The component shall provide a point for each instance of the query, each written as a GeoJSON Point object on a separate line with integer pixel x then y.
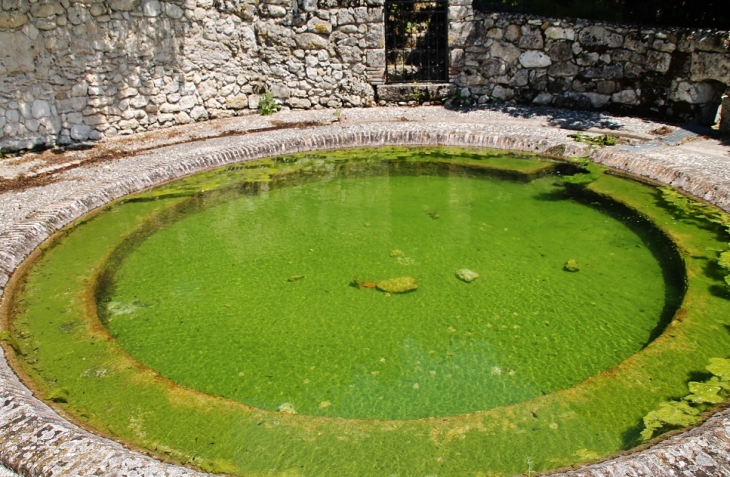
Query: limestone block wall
{"type": "Point", "coordinates": [78, 70]}
{"type": "Point", "coordinates": [677, 74]}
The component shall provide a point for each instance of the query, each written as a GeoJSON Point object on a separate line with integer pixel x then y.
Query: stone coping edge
{"type": "Point", "coordinates": [36, 442]}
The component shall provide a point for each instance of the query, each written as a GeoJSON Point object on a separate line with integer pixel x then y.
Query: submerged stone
{"type": "Point", "coordinates": [571, 266]}
{"type": "Point", "coordinates": [398, 285]}
{"type": "Point", "coordinates": [466, 275]}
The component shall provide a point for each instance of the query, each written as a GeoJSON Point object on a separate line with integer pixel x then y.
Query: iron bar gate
{"type": "Point", "coordinates": [416, 41]}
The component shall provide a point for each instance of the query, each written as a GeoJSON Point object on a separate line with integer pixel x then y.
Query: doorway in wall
{"type": "Point", "coordinates": [416, 41]}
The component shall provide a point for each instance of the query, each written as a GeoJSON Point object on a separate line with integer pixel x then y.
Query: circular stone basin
{"type": "Point", "coordinates": [244, 330]}
{"type": "Point", "coordinates": [256, 299]}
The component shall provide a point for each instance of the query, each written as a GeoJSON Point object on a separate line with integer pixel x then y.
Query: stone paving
{"type": "Point", "coordinates": [35, 441]}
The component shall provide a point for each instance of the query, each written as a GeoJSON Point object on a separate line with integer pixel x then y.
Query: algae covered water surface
{"type": "Point", "coordinates": [253, 300]}
{"type": "Point", "coordinates": [248, 337]}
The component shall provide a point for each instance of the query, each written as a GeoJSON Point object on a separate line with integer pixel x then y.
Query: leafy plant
{"type": "Point", "coordinates": [267, 105]}
{"type": "Point", "coordinates": [600, 141]}
{"type": "Point", "coordinates": [528, 461]}
{"type": "Point", "coordinates": [417, 95]}
{"type": "Point", "coordinates": [702, 396]}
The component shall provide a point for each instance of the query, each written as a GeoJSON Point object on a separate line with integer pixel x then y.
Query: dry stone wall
{"type": "Point", "coordinates": [76, 70]}
{"type": "Point", "coordinates": [79, 70]}
{"type": "Point", "coordinates": [677, 74]}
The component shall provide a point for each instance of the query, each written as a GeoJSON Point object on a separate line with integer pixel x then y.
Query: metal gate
{"type": "Point", "coordinates": [416, 41]}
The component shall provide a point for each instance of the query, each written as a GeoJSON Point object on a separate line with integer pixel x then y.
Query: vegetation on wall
{"type": "Point", "coordinates": [696, 14]}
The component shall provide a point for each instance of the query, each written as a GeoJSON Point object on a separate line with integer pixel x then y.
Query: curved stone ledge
{"type": "Point", "coordinates": [35, 441]}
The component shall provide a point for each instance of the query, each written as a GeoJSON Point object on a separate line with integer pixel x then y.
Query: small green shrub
{"type": "Point", "coordinates": [417, 95]}
{"type": "Point", "coordinates": [267, 105]}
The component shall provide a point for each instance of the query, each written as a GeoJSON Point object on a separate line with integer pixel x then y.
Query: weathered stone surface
{"type": "Point", "coordinates": [534, 59]}
{"type": "Point", "coordinates": [501, 93]}
{"type": "Point", "coordinates": [557, 33]}
{"type": "Point", "coordinates": [18, 52]}
{"type": "Point", "coordinates": [605, 72]}
{"type": "Point", "coordinates": [658, 61]}
{"type": "Point", "coordinates": [11, 20]}
{"type": "Point", "coordinates": [567, 68]}
{"type": "Point", "coordinates": [598, 36]}
{"type": "Point", "coordinates": [694, 93]}
{"type": "Point", "coordinates": [710, 66]}
{"type": "Point", "coordinates": [531, 39]}
{"type": "Point", "coordinates": [237, 102]}
{"type": "Point", "coordinates": [46, 9]}
{"type": "Point", "coordinates": [121, 5]}
{"type": "Point", "coordinates": [627, 96]}
{"type": "Point", "coordinates": [173, 11]}
{"type": "Point", "coordinates": [80, 132]}
{"type": "Point", "coordinates": [310, 41]}
{"type": "Point", "coordinates": [41, 109]}
{"type": "Point", "coordinates": [506, 51]}
{"type": "Point", "coordinates": [276, 11]}
{"type": "Point", "coordinates": [151, 8]}
{"type": "Point", "coordinates": [561, 51]}
{"type": "Point", "coordinates": [597, 100]}
{"type": "Point", "coordinates": [493, 67]}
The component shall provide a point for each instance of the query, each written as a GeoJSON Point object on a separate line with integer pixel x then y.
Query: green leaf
{"type": "Point", "coordinates": [704, 393]}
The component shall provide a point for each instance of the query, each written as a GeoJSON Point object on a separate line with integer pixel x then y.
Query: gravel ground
{"type": "Point", "coordinates": [43, 192]}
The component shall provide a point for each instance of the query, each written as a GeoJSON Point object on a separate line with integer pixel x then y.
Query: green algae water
{"type": "Point", "coordinates": [207, 301]}
{"type": "Point", "coordinates": [228, 321]}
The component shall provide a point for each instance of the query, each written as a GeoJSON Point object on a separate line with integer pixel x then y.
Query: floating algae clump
{"type": "Point", "coordinates": [670, 415]}
{"type": "Point", "coordinates": [571, 266]}
{"type": "Point", "coordinates": [466, 275]}
{"type": "Point", "coordinates": [398, 285]}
